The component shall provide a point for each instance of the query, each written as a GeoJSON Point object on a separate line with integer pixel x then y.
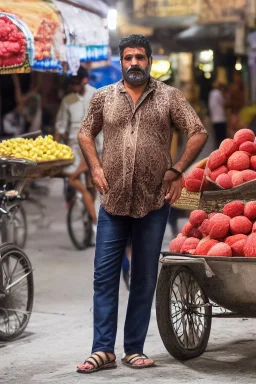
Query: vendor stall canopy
{"type": "Point", "coordinates": [42, 35]}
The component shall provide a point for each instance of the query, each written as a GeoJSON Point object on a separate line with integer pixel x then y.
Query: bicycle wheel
{"type": "Point", "coordinates": [20, 227]}
{"type": "Point", "coordinates": [79, 224]}
{"type": "Point", "coordinates": [16, 291]}
{"type": "Point", "coordinates": [15, 230]}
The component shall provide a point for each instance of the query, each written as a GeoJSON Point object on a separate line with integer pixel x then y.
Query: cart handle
{"type": "Point", "coordinates": [187, 260]}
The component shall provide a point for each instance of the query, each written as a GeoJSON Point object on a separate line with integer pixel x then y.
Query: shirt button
{"type": "Point", "coordinates": [132, 132]}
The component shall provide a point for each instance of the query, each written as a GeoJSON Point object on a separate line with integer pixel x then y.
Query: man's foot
{"type": "Point", "coordinates": [138, 360]}
{"type": "Point", "coordinates": [97, 360]}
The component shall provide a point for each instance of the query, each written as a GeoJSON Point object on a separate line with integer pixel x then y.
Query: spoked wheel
{"type": "Point", "coordinates": [79, 224]}
{"type": "Point", "coordinates": [16, 292]}
{"type": "Point", "coordinates": [183, 314]}
{"type": "Point", "coordinates": [14, 229]}
{"type": "Point", "coordinates": [20, 227]}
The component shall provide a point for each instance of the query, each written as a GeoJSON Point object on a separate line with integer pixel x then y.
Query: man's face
{"type": "Point", "coordinates": [78, 88]}
{"type": "Point", "coordinates": [135, 66]}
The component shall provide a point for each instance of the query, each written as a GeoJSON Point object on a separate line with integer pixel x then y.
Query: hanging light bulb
{"type": "Point", "coordinates": [238, 65]}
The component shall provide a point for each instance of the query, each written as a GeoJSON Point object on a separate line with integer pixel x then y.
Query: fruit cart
{"type": "Point", "coordinates": [210, 268]}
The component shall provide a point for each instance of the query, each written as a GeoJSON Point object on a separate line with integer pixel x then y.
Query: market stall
{"type": "Point", "coordinates": [44, 35]}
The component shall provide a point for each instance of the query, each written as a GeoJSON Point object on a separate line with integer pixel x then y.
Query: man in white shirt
{"type": "Point", "coordinates": [218, 113]}
{"type": "Point", "coordinates": [73, 108]}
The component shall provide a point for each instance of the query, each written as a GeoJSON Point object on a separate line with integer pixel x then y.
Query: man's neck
{"type": "Point", "coordinates": [135, 89]}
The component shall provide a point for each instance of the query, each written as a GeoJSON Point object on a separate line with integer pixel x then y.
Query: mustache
{"type": "Point", "coordinates": [136, 68]}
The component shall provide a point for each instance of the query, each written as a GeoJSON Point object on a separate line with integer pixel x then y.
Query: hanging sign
{"type": "Point", "coordinates": [167, 8]}
{"type": "Point", "coordinates": [212, 11]}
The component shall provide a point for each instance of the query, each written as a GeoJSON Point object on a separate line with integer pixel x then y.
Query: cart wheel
{"type": "Point", "coordinates": [16, 291]}
{"type": "Point", "coordinates": [184, 322]}
{"type": "Point", "coordinates": [79, 224]}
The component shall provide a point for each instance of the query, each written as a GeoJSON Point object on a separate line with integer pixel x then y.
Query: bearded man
{"type": "Point", "coordinates": [138, 183]}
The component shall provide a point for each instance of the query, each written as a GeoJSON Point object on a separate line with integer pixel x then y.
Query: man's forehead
{"type": "Point", "coordinates": [134, 50]}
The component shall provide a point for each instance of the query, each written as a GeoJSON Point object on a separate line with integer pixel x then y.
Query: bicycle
{"type": "Point", "coordinates": [79, 223]}
{"type": "Point", "coordinates": [16, 274]}
{"type": "Point", "coordinates": [15, 218]}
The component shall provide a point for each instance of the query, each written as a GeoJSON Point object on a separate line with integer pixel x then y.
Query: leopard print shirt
{"type": "Point", "coordinates": [137, 141]}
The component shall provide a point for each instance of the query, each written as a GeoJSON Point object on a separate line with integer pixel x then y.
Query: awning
{"type": "Point", "coordinates": [205, 36]}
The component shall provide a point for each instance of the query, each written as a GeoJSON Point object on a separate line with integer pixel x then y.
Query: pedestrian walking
{"type": "Point", "coordinates": [72, 110]}
{"type": "Point", "coordinates": [217, 105]}
{"type": "Point", "coordinates": [137, 181]}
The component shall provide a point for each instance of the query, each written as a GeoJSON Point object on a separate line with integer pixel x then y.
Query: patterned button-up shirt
{"type": "Point", "coordinates": [137, 141]}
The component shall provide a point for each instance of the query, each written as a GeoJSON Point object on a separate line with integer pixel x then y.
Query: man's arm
{"type": "Point", "coordinates": [90, 128]}
{"type": "Point", "coordinates": [193, 147]}
{"type": "Point", "coordinates": [186, 120]}
{"type": "Point", "coordinates": [174, 185]}
{"type": "Point", "coordinates": [88, 149]}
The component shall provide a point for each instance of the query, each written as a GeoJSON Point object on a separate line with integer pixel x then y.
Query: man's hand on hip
{"type": "Point", "coordinates": [99, 180]}
{"type": "Point", "coordinates": [172, 186]}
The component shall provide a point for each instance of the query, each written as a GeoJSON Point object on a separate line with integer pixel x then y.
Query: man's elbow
{"type": "Point", "coordinates": [83, 139]}
{"type": "Point", "coordinates": [202, 137]}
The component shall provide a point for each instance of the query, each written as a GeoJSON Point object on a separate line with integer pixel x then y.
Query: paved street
{"type": "Point", "coordinates": [59, 334]}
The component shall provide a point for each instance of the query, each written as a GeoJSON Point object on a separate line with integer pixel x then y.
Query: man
{"type": "Point", "coordinates": [137, 183]}
{"type": "Point", "coordinates": [72, 110]}
{"type": "Point", "coordinates": [218, 113]}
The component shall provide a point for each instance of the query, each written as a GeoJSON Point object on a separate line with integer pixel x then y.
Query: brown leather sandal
{"type": "Point", "coordinates": [138, 356]}
{"type": "Point", "coordinates": [97, 365]}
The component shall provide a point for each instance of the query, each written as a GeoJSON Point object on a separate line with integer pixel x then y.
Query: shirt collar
{"type": "Point", "coordinates": [152, 84]}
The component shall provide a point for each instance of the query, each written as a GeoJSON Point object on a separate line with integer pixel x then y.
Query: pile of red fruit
{"type": "Point", "coordinates": [230, 233]}
{"type": "Point", "coordinates": [43, 39]}
{"type": "Point", "coordinates": [12, 44]}
{"type": "Point", "coordinates": [233, 164]}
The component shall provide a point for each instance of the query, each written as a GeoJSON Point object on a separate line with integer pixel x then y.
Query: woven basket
{"type": "Point", "coordinates": [188, 200]}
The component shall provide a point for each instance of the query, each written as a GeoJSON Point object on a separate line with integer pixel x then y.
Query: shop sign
{"type": "Point", "coordinates": [212, 11]}
{"type": "Point", "coordinates": [164, 8]}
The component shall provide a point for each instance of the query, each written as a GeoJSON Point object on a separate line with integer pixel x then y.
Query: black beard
{"type": "Point", "coordinates": [135, 75]}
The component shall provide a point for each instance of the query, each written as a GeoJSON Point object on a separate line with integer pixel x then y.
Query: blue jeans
{"type": "Point", "coordinates": [112, 235]}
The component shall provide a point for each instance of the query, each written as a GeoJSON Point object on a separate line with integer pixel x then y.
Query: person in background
{"type": "Point", "coordinates": [26, 117]}
{"type": "Point", "coordinates": [138, 181]}
{"type": "Point", "coordinates": [72, 110]}
{"type": "Point", "coordinates": [217, 112]}
{"type": "Point", "coordinates": [236, 103]}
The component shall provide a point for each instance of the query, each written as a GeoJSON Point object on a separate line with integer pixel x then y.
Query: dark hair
{"type": "Point", "coordinates": [75, 80]}
{"type": "Point", "coordinates": [82, 73]}
{"type": "Point", "coordinates": [135, 41]}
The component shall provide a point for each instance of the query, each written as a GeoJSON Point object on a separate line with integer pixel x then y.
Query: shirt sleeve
{"type": "Point", "coordinates": [93, 120]}
{"type": "Point", "coordinates": [62, 119]}
{"type": "Point", "coordinates": [183, 116]}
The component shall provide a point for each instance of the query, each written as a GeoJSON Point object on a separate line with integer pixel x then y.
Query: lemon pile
{"type": "Point", "coordinates": [39, 149]}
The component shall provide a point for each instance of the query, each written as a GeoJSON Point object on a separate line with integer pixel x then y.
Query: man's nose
{"type": "Point", "coordinates": [134, 61]}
